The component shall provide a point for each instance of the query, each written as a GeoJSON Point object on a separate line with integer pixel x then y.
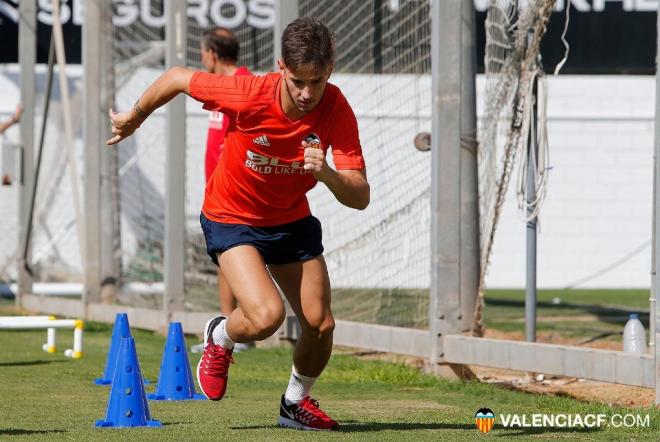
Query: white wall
{"type": "Point", "coordinates": [596, 222]}
{"type": "Point", "coordinates": [598, 209]}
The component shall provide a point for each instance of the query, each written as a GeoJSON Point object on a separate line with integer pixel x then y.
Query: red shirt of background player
{"type": "Point", "coordinates": [260, 178]}
{"type": "Point", "coordinates": [215, 139]}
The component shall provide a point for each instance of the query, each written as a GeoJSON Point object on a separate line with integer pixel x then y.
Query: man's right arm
{"type": "Point", "coordinates": [173, 82]}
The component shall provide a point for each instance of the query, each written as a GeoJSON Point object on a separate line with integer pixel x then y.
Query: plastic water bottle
{"type": "Point", "coordinates": [634, 337]}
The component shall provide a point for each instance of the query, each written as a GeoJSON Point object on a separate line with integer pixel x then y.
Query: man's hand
{"type": "Point", "coordinates": [17, 114]}
{"type": "Point", "coordinates": [123, 125]}
{"type": "Point", "coordinates": [315, 161]}
{"type": "Point", "coordinates": [174, 81]}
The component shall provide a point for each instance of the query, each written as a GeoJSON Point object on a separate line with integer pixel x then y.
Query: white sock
{"type": "Point", "coordinates": [220, 336]}
{"type": "Point", "coordinates": [299, 386]}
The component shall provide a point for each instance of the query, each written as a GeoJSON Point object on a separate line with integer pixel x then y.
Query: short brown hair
{"type": "Point", "coordinates": [223, 42]}
{"type": "Point", "coordinates": [307, 40]}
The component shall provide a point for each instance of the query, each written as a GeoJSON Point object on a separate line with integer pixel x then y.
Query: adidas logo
{"type": "Point", "coordinates": [262, 140]}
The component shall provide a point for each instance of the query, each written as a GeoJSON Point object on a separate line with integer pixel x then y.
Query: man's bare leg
{"type": "Point", "coordinates": [260, 310]}
{"type": "Point", "coordinates": [227, 305]}
{"type": "Point", "coordinates": [259, 314]}
{"type": "Point", "coordinates": [227, 298]}
{"type": "Point", "coordinates": [307, 288]}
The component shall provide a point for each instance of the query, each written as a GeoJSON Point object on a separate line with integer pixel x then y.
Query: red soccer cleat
{"type": "Point", "coordinates": [213, 367]}
{"type": "Point", "coordinates": [305, 416]}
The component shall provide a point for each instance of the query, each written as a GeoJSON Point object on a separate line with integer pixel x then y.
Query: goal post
{"type": "Point", "coordinates": [92, 137]}
{"type": "Point", "coordinates": [454, 208]}
{"type": "Point", "coordinates": [27, 50]}
{"type": "Point", "coordinates": [655, 312]}
{"type": "Point", "coordinates": [175, 165]}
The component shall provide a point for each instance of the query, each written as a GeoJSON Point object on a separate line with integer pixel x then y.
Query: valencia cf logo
{"type": "Point", "coordinates": [485, 419]}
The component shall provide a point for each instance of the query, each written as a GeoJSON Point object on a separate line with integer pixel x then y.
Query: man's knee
{"type": "Point", "coordinates": [267, 319]}
{"type": "Point", "coordinates": [320, 327]}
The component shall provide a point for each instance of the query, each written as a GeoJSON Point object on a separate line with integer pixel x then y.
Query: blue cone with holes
{"type": "Point", "coordinates": [120, 330]}
{"type": "Point", "coordinates": [175, 382]}
{"type": "Point", "coordinates": [127, 406]}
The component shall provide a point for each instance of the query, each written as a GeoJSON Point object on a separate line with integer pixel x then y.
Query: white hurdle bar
{"type": "Point", "coordinates": [26, 318]}
{"type": "Point", "coordinates": [50, 324]}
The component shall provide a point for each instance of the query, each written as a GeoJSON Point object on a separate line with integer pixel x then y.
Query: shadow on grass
{"type": "Point", "coordinates": [28, 363]}
{"type": "Point", "coordinates": [363, 427]}
{"type": "Point", "coordinates": [19, 431]}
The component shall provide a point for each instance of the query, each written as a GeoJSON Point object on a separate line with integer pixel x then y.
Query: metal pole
{"type": "Point", "coordinates": [94, 120]}
{"type": "Point", "coordinates": [656, 217]}
{"type": "Point", "coordinates": [530, 283]}
{"type": "Point", "coordinates": [469, 218]}
{"type": "Point", "coordinates": [286, 11]}
{"type": "Point", "coordinates": [110, 259]}
{"type": "Point", "coordinates": [58, 37]}
{"type": "Point", "coordinates": [175, 165]}
{"type": "Point", "coordinates": [27, 55]}
{"type": "Point", "coordinates": [27, 244]}
{"type": "Point", "coordinates": [654, 282]}
{"type": "Point", "coordinates": [444, 304]}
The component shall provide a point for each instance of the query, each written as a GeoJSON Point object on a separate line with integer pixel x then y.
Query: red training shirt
{"type": "Point", "coordinates": [260, 180]}
{"type": "Point", "coordinates": [215, 138]}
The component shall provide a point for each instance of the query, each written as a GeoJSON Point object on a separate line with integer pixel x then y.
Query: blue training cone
{"type": "Point", "coordinates": [120, 330]}
{"type": "Point", "coordinates": [175, 382]}
{"type": "Point", "coordinates": [127, 406]}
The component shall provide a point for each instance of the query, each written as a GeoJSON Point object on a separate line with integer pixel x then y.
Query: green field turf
{"type": "Point", "coordinates": [49, 397]}
{"type": "Point", "coordinates": [583, 314]}
{"type": "Point", "coordinates": [569, 313]}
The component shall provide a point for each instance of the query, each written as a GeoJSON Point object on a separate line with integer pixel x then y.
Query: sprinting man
{"type": "Point", "coordinates": [256, 217]}
{"type": "Point", "coordinates": [220, 48]}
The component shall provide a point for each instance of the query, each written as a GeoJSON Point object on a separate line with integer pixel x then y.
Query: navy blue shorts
{"type": "Point", "coordinates": [293, 242]}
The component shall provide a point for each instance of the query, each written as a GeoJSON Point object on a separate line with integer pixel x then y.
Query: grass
{"type": "Point", "coordinates": [49, 397]}
{"type": "Point", "coordinates": [569, 313]}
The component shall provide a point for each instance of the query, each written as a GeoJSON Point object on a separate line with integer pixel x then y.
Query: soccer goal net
{"type": "Point", "coordinates": [378, 259]}
{"type": "Point", "coordinates": [512, 69]}
{"type": "Point", "coordinates": [139, 55]}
